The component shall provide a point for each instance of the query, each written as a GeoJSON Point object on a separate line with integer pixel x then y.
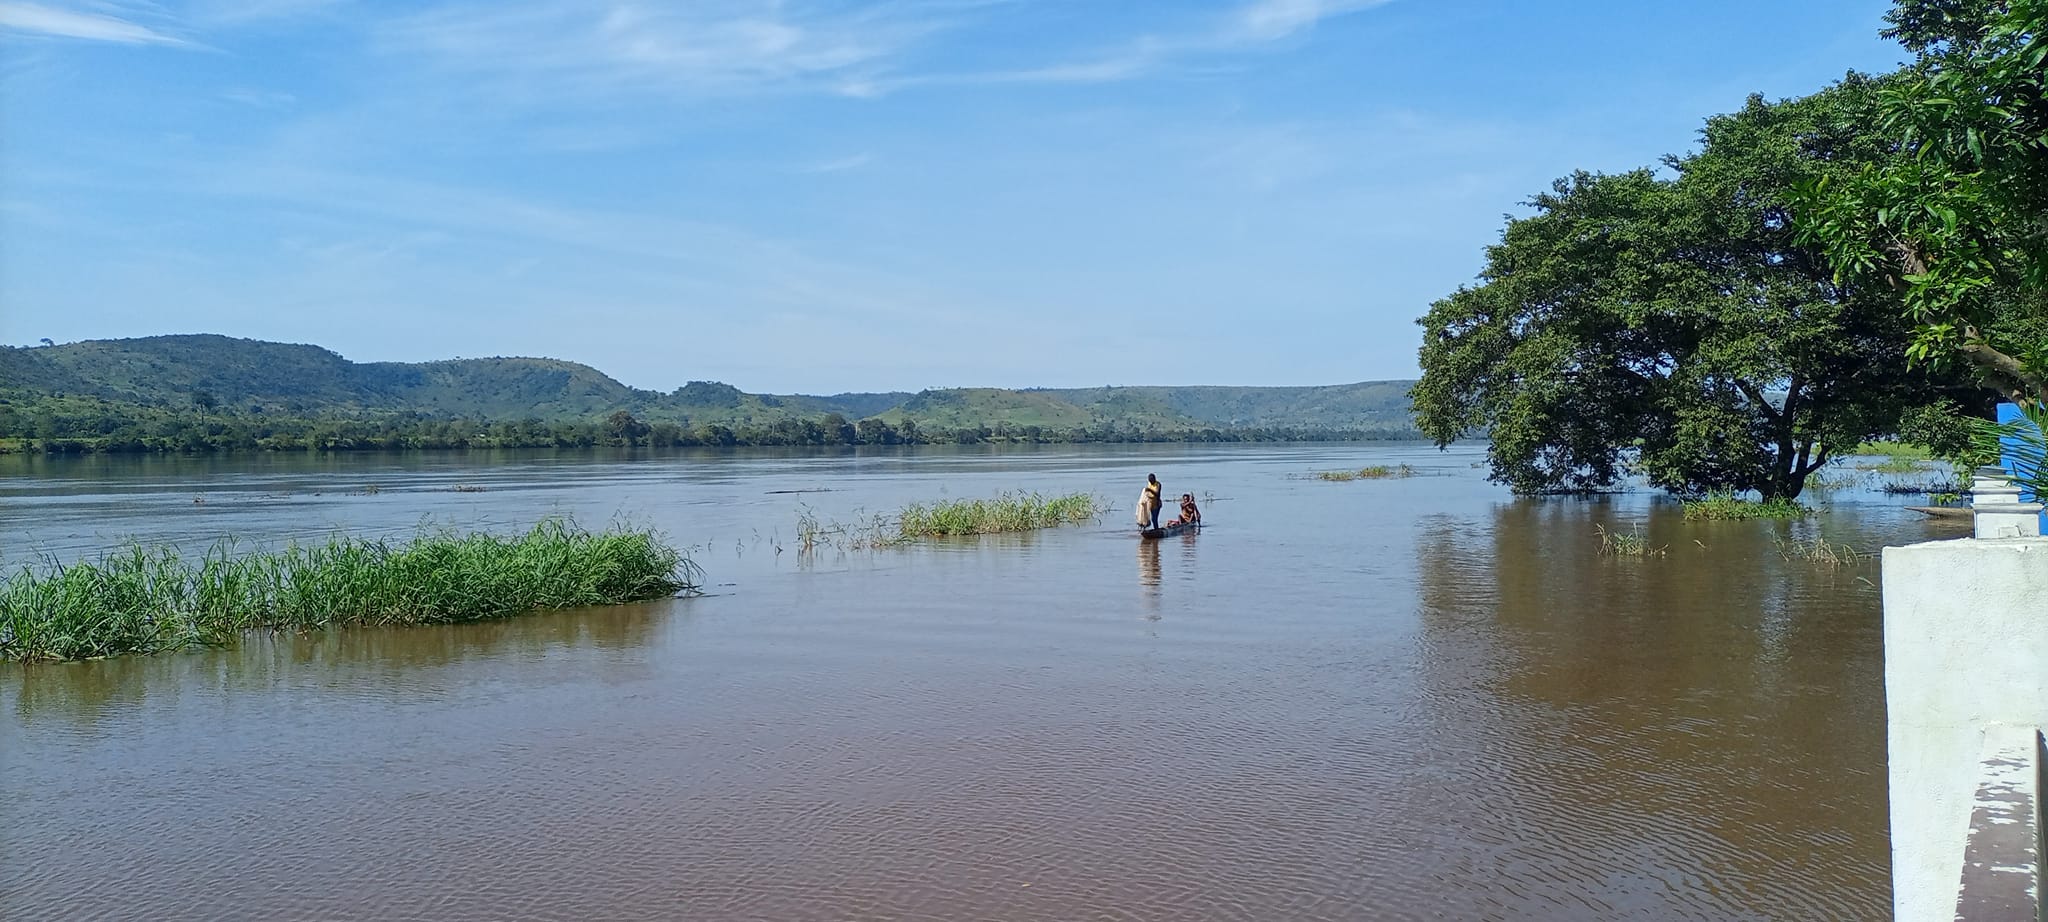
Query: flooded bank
{"type": "Point", "coordinates": [1417, 698]}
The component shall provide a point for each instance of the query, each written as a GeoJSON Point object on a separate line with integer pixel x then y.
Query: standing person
{"type": "Point", "coordinates": [1153, 502]}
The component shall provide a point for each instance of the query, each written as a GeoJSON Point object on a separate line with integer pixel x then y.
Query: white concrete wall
{"type": "Point", "coordinates": [1966, 648]}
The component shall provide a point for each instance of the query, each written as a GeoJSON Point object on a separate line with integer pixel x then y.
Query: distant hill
{"type": "Point", "coordinates": [1371, 404]}
{"type": "Point", "coordinates": [174, 373]}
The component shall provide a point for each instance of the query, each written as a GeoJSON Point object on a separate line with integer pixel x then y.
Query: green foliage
{"type": "Point", "coordinates": [1956, 217]}
{"type": "Point", "coordinates": [1008, 512]}
{"type": "Point", "coordinates": [150, 600]}
{"type": "Point", "coordinates": [1375, 472]}
{"type": "Point", "coordinates": [2019, 446]}
{"type": "Point", "coordinates": [1894, 465]}
{"type": "Point", "coordinates": [1369, 405]}
{"type": "Point", "coordinates": [1716, 506]}
{"type": "Point", "coordinates": [213, 393]}
{"type": "Point", "coordinates": [1674, 326]}
{"type": "Point", "coordinates": [1888, 448]}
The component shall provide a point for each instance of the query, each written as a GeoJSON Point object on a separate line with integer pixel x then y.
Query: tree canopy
{"type": "Point", "coordinates": [1676, 322]}
{"type": "Point", "coordinates": [1955, 220]}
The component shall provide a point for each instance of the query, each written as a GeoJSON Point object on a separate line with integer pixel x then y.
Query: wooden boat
{"type": "Point", "coordinates": [1168, 531]}
{"type": "Point", "coordinates": [1943, 512]}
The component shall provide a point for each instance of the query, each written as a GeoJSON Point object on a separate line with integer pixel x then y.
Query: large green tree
{"type": "Point", "coordinates": [1956, 221]}
{"type": "Point", "coordinates": [1673, 322]}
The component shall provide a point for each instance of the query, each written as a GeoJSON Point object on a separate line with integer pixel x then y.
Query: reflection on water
{"type": "Point", "coordinates": [1670, 712]}
{"type": "Point", "coordinates": [1149, 578]}
{"type": "Point", "coordinates": [1412, 699]}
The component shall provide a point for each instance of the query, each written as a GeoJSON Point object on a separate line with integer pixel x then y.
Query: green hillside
{"type": "Point", "coordinates": [1366, 405]}
{"type": "Point", "coordinates": [114, 390]}
{"type": "Point", "coordinates": [956, 408]}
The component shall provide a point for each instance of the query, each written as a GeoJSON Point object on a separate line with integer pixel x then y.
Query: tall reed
{"type": "Point", "coordinates": [1008, 512]}
{"type": "Point", "coordinates": [149, 600]}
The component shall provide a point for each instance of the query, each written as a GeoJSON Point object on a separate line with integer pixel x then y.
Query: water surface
{"type": "Point", "coordinates": [1396, 699]}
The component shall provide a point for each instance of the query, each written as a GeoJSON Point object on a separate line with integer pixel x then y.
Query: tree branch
{"type": "Point", "coordinates": [1750, 390]}
{"type": "Point", "coordinates": [2011, 370]}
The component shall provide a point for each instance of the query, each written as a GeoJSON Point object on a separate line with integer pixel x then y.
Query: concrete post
{"type": "Point", "coordinates": [1966, 653]}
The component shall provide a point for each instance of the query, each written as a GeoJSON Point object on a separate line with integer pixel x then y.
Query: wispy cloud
{"type": "Point", "coordinates": [1272, 20]}
{"type": "Point", "coordinates": [247, 12]}
{"type": "Point", "coordinates": [37, 19]}
{"type": "Point", "coordinates": [1240, 29]}
{"type": "Point", "coordinates": [540, 50]}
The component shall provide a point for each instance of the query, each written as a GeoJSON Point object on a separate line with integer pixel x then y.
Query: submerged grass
{"type": "Point", "coordinates": [1908, 488]}
{"type": "Point", "coordinates": [1008, 512]}
{"type": "Point", "coordinates": [1888, 449]}
{"type": "Point", "coordinates": [1818, 550]}
{"type": "Point", "coordinates": [1375, 472]}
{"type": "Point", "coordinates": [152, 600]}
{"type": "Point", "coordinates": [1897, 464]}
{"type": "Point", "coordinates": [1730, 506]}
{"type": "Point", "coordinates": [1630, 544]}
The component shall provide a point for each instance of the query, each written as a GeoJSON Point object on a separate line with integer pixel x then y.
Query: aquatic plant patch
{"type": "Point", "coordinates": [1375, 472]}
{"type": "Point", "coordinates": [152, 600]}
{"type": "Point", "coordinates": [1632, 543]}
{"type": "Point", "coordinates": [1009, 512]}
{"type": "Point", "coordinates": [1730, 506]}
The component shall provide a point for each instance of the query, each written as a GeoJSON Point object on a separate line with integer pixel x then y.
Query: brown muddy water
{"type": "Point", "coordinates": [1399, 699]}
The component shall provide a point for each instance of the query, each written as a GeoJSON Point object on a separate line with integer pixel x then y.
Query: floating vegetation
{"type": "Point", "coordinates": [467, 488]}
{"type": "Point", "coordinates": [1894, 465]}
{"type": "Point", "coordinates": [1892, 450]}
{"type": "Point", "coordinates": [1631, 544]}
{"type": "Point", "coordinates": [153, 600]}
{"type": "Point", "coordinates": [1729, 506]}
{"type": "Point", "coordinates": [1009, 512]}
{"type": "Point", "coordinates": [1831, 478]}
{"type": "Point", "coordinates": [1376, 472]}
{"type": "Point", "coordinates": [1907, 488]}
{"type": "Point", "coordinates": [1818, 550]}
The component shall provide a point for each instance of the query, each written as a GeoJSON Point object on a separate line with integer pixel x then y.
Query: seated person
{"type": "Point", "coordinates": [1189, 515]}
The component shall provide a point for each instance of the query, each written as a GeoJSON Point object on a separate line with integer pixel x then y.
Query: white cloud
{"type": "Point", "coordinates": [38, 19]}
{"type": "Point", "coordinates": [1272, 20]}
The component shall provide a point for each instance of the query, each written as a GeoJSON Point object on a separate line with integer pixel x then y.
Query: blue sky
{"type": "Point", "coordinates": [817, 197]}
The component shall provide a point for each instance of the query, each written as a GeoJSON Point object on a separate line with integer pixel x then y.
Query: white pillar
{"type": "Point", "coordinates": [1966, 650]}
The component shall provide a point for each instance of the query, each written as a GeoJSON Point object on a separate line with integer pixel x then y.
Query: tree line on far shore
{"type": "Point", "coordinates": [91, 427]}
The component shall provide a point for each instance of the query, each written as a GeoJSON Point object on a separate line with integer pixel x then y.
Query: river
{"type": "Point", "coordinates": [1400, 699]}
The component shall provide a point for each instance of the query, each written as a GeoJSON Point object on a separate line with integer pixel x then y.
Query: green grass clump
{"type": "Point", "coordinates": [1730, 506]}
{"type": "Point", "coordinates": [1376, 472]}
{"type": "Point", "coordinates": [1892, 450]}
{"type": "Point", "coordinates": [152, 600]}
{"type": "Point", "coordinates": [1894, 465]}
{"type": "Point", "coordinates": [1008, 512]}
{"type": "Point", "coordinates": [1818, 550]}
{"type": "Point", "coordinates": [1631, 544]}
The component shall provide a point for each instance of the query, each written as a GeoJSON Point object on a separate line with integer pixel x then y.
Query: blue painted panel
{"type": "Point", "coordinates": [2007, 413]}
